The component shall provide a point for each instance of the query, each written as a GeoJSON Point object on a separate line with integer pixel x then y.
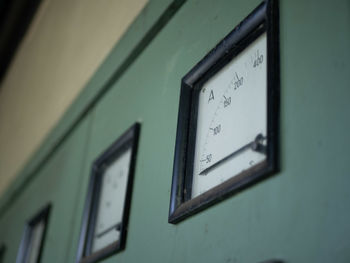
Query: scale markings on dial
{"type": "Point", "coordinates": [231, 119]}
{"type": "Point", "coordinates": [111, 205]}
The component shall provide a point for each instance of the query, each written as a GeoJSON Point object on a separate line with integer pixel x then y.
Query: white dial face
{"type": "Point", "coordinates": [111, 203]}
{"type": "Point", "coordinates": [232, 119]}
{"type": "Point", "coordinates": [36, 236]}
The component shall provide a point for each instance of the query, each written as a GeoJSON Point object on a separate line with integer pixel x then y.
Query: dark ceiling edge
{"type": "Point", "coordinates": [15, 18]}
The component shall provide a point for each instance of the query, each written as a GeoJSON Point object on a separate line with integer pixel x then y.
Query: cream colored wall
{"type": "Point", "coordinates": [64, 46]}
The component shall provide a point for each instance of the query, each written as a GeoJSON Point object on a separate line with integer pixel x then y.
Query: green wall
{"type": "Point", "coordinates": [300, 215]}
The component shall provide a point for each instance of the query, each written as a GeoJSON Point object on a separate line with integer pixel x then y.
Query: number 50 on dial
{"type": "Point", "coordinates": [227, 131]}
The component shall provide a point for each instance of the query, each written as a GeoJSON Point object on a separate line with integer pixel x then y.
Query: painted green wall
{"type": "Point", "coordinates": [56, 182]}
{"type": "Point", "coordinates": [300, 215]}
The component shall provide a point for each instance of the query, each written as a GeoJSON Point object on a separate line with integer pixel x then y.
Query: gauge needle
{"type": "Point", "coordinates": [116, 227]}
{"type": "Point", "coordinates": [256, 145]}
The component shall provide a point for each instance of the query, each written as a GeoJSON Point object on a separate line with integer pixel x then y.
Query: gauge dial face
{"type": "Point", "coordinates": [111, 202]}
{"type": "Point", "coordinates": [232, 119]}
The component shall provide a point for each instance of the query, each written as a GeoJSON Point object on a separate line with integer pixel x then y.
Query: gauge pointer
{"type": "Point", "coordinates": [116, 227]}
{"type": "Point", "coordinates": [255, 145]}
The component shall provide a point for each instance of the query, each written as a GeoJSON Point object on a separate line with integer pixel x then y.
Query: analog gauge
{"type": "Point", "coordinates": [106, 215]}
{"type": "Point", "coordinates": [33, 238]}
{"type": "Point", "coordinates": [36, 237]}
{"type": "Point", "coordinates": [227, 133]}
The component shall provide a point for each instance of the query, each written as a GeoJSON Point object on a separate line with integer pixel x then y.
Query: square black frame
{"type": "Point", "coordinates": [264, 18]}
{"type": "Point", "coordinates": [42, 215]}
{"type": "Point", "coordinates": [128, 139]}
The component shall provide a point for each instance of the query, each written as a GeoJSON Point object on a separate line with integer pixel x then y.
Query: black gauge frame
{"type": "Point", "coordinates": [129, 139]}
{"type": "Point", "coordinates": [42, 215]}
{"type": "Point", "coordinates": [264, 18]}
{"type": "Point", "coordinates": [2, 252]}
